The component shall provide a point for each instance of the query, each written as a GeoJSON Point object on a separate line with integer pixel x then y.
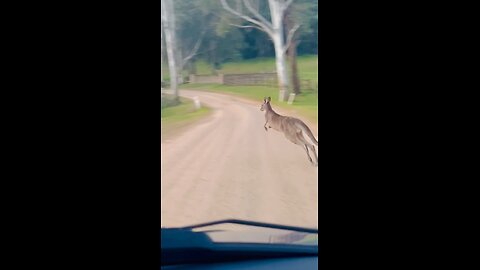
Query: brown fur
{"type": "Point", "coordinates": [292, 128]}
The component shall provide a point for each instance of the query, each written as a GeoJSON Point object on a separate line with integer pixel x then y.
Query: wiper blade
{"type": "Point", "coordinates": [252, 223]}
{"type": "Point", "coordinates": [184, 245]}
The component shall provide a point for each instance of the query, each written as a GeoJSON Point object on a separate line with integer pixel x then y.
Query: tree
{"type": "Point", "coordinates": [190, 31]}
{"type": "Point", "coordinates": [162, 51]}
{"type": "Point", "coordinates": [292, 51]}
{"type": "Point", "coordinates": [274, 29]}
{"type": "Point", "coordinates": [168, 23]}
{"type": "Point", "coordinates": [306, 14]}
{"type": "Point", "coordinates": [203, 31]}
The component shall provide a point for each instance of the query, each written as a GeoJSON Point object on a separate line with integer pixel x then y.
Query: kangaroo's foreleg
{"type": "Point", "coordinates": [265, 126]}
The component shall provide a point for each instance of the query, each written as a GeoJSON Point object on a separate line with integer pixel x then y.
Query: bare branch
{"type": "Point", "coordinates": [248, 4]}
{"type": "Point", "coordinates": [265, 27]}
{"type": "Point", "coordinates": [247, 26]}
{"type": "Point", "coordinates": [194, 50]}
{"type": "Point", "coordinates": [290, 37]}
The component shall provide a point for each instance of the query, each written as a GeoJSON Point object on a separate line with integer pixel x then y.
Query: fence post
{"type": "Point", "coordinates": [196, 102]}
{"type": "Point", "coordinates": [291, 98]}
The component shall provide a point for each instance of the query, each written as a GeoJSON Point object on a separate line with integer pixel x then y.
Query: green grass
{"type": "Point", "coordinates": [175, 118]}
{"type": "Point", "coordinates": [306, 103]}
{"type": "Point", "coordinates": [306, 66]}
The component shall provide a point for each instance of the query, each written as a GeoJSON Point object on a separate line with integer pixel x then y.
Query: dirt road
{"type": "Point", "coordinates": [228, 166]}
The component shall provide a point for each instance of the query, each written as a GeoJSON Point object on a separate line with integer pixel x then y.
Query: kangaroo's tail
{"type": "Point", "coordinates": [307, 131]}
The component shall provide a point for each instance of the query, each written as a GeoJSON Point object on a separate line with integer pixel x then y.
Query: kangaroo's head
{"type": "Point", "coordinates": [265, 102]}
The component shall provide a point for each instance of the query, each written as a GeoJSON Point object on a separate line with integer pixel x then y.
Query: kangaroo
{"type": "Point", "coordinates": [293, 128]}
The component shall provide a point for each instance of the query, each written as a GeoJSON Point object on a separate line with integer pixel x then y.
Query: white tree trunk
{"type": "Point", "coordinates": [161, 52]}
{"type": "Point", "coordinates": [274, 29]}
{"type": "Point", "coordinates": [168, 20]}
{"type": "Point", "coordinates": [281, 65]}
{"type": "Point", "coordinates": [276, 14]}
{"type": "Point", "coordinates": [179, 66]}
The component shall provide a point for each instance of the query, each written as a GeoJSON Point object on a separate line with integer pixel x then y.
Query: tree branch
{"type": "Point", "coordinates": [194, 50]}
{"type": "Point", "coordinates": [247, 26]}
{"type": "Point", "coordinates": [290, 37]}
{"type": "Point", "coordinates": [248, 4]}
{"type": "Point", "coordinates": [265, 27]}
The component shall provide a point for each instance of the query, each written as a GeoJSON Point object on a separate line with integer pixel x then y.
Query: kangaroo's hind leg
{"type": "Point", "coordinates": [307, 145]}
{"type": "Point", "coordinates": [312, 148]}
{"type": "Point", "coordinates": [308, 155]}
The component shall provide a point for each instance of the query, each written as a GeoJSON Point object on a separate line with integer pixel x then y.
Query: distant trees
{"type": "Point", "coordinates": [220, 31]}
{"type": "Point", "coordinates": [161, 50]}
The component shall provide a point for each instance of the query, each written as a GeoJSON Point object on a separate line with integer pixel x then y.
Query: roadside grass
{"type": "Point", "coordinates": [306, 103]}
{"type": "Point", "coordinates": [174, 118]}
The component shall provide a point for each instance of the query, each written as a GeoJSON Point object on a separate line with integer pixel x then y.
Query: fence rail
{"type": "Point", "coordinates": [262, 79]}
{"type": "Point", "coordinates": [266, 79]}
{"type": "Point", "coordinates": [309, 85]}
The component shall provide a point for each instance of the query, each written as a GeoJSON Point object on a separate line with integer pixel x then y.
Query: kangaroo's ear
{"type": "Point", "coordinates": [268, 99]}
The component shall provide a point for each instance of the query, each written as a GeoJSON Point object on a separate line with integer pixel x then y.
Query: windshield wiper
{"type": "Point", "coordinates": [183, 245]}
{"type": "Point", "coordinates": [252, 223]}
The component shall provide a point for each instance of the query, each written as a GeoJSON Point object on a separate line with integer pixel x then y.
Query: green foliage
{"type": "Point", "coordinates": [224, 43]}
{"type": "Point", "coordinates": [305, 13]}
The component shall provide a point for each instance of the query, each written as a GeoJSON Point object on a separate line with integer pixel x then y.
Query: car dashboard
{"type": "Point", "coordinates": [303, 263]}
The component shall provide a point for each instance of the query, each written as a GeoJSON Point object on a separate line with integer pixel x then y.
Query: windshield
{"type": "Point", "coordinates": [239, 121]}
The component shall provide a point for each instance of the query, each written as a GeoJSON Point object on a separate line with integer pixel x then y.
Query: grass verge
{"type": "Point", "coordinates": [176, 117]}
{"type": "Point", "coordinates": [305, 104]}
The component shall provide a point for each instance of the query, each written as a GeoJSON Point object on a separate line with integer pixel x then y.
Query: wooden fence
{"type": "Point", "coordinates": [206, 78]}
{"type": "Point", "coordinates": [309, 85]}
{"type": "Point", "coordinates": [268, 79]}
{"type": "Point", "coordinates": [262, 79]}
